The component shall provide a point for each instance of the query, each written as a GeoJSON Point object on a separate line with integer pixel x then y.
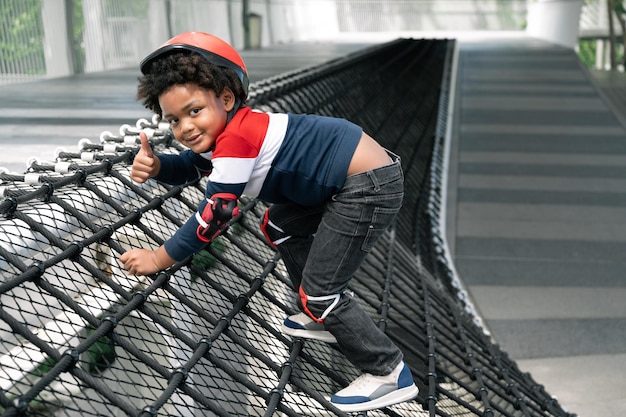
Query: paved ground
{"type": "Point", "coordinates": [537, 215]}
{"type": "Point", "coordinates": [536, 208]}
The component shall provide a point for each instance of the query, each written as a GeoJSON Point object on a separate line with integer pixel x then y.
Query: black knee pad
{"type": "Point", "coordinates": [274, 234]}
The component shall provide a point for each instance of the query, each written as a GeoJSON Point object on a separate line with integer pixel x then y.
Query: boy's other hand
{"type": "Point", "coordinates": [146, 164]}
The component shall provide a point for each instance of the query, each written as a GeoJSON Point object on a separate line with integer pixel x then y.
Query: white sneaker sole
{"type": "Point", "coordinates": [395, 397]}
{"type": "Point", "coordinates": [323, 336]}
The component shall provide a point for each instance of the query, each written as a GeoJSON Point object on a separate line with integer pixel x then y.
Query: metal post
{"type": "Point", "coordinates": [612, 58]}
{"type": "Point", "coordinates": [246, 23]}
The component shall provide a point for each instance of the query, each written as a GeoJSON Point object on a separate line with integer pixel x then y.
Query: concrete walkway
{"type": "Point", "coordinates": [537, 215]}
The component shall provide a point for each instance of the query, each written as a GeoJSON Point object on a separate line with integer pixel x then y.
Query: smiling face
{"type": "Point", "coordinates": [197, 115]}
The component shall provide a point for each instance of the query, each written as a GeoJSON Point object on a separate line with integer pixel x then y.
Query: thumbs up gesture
{"type": "Point", "coordinates": [145, 164]}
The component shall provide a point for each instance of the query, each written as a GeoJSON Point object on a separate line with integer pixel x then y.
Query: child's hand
{"type": "Point", "coordinates": [146, 261]}
{"type": "Point", "coordinates": [139, 262]}
{"type": "Point", "coordinates": [146, 164]}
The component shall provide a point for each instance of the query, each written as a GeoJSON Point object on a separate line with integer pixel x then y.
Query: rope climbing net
{"type": "Point", "coordinates": [81, 337]}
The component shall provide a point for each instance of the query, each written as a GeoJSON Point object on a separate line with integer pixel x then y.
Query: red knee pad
{"type": "Point", "coordinates": [304, 298]}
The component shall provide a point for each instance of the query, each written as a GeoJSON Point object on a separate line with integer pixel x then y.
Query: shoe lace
{"type": "Point", "coordinates": [361, 380]}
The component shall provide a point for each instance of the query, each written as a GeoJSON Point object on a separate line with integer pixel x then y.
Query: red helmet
{"type": "Point", "coordinates": [212, 48]}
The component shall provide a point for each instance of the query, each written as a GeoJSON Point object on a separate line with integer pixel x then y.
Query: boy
{"type": "Point", "coordinates": [335, 190]}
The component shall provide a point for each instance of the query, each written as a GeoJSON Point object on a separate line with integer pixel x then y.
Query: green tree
{"type": "Point", "coordinates": [21, 37]}
{"type": "Point", "coordinates": [620, 13]}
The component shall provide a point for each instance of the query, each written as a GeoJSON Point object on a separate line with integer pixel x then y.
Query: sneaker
{"type": "Point", "coordinates": [369, 392]}
{"type": "Point", "coordinates": [301, 325]}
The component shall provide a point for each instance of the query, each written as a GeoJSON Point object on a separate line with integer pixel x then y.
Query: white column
{"type": "Point", "coordinates": [57, 48]}
{"type": "Point", "coordinates": [555, 21]}
{"type": "Point", "coordinates": [158, 25]}
{"type": "Point", "coordinates": [93, 36]}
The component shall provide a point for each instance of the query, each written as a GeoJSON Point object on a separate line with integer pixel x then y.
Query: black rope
{"type": "Point", "coordinates": [398, 93]}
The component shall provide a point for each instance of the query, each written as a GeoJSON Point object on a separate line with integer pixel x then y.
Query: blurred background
{"type": "Point", "coordinates": [55, 38]}
{"type": "Point", "coordinates": [68, 70]}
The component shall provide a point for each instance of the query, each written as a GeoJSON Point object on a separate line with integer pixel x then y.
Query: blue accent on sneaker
{"type": "Point", "coordinates": [301, 325]}
{"type": "Point", "coordinates": [369, 392]}
{"type": "Point", "coordinates": [335, 399]}
{"type": "Point", "coordinates": [292, 324]}
{"type": "Point", "coordinates": [406, 378]}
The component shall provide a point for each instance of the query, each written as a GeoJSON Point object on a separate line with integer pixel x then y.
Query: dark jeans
{"type": "Point", "coordinates": [327, 246]}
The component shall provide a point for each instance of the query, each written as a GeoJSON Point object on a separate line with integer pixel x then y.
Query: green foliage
{"type": "Point", "coordinates": [121, 8]}
{"type": "Point", "coordinates": [587, 52]}
{"type": "Point", "coordinates": [22, 35]}
{"type": "Point", "coordinates": [44, 367]}
{"type": "Point", "coordinates": [101, 355]}
{"type": "Point", "coordinates": [78, 29]}
{"type": "Point", "coordinates": [204, 260]}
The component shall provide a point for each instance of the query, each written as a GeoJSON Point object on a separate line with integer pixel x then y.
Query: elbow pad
{"type": "Point", "coordinates": [219, 210]}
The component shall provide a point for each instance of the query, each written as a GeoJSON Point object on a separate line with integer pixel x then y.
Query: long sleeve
{"type": "Point", "coordinates": [184, 167]}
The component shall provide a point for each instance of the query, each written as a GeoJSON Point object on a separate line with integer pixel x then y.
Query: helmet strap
{"type": "Point", "coordinates": [232, 112]}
